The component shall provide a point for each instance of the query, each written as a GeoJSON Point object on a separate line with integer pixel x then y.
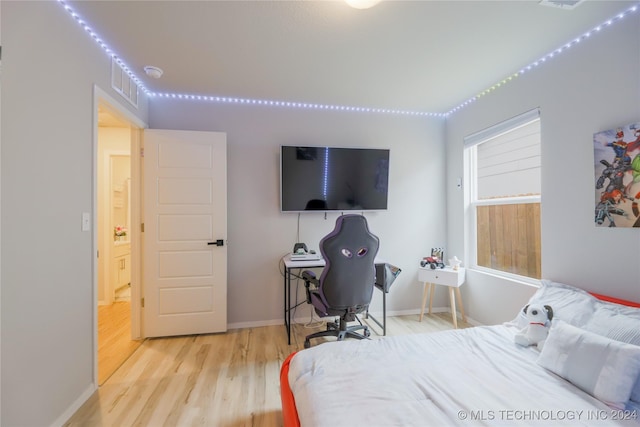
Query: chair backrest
{"type": "Point", "coordinates": [348, 277]}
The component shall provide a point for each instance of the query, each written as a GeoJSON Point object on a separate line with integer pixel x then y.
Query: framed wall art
{"type": "Point", "coordinates": [617, 176]}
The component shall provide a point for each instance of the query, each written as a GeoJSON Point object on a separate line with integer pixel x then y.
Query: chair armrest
{"type": "Point", "coordinates": [386, 274]}
{"type": "Point", "coordinates": [309, 277]}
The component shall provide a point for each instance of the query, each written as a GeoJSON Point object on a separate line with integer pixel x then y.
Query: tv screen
{"type": "Point", "coordinates": [333, 179]}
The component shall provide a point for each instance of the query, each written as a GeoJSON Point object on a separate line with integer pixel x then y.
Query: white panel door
{"type": "Point", "coordinates": [185, 217]}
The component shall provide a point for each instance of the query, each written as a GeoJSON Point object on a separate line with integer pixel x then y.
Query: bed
{"type": "Point", "coordinates": [587, 373]}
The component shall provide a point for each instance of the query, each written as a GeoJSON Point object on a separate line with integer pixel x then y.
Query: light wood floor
{"type": "Point", "coordinates": [114, 338]}
{"type": "Point", "coordinates": [222, 380]}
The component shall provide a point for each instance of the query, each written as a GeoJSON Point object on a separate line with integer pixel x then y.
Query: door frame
{"type": "Point", "coordinates": [102, 98]}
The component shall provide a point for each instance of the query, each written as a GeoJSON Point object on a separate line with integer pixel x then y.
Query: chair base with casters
{"type": "Point", "coordinates": [341, 330]}
{"type": "Point", "coordinates": [338, 328]}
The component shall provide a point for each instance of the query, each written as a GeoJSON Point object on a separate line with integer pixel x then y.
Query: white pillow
{"type": "Point", "coordinates": [574, 306]}
{"type": "Point", "coordinates": [618, 323]}
{"type": "Point", "coordinates": [604, 368]}
{"type": "Point", "coordinates": [635, 392]}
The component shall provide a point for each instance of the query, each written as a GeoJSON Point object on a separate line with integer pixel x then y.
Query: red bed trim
{"type": "Point", "coordinates": [289, 412]}
{"type": "Point", "coordinates": [616, 300]}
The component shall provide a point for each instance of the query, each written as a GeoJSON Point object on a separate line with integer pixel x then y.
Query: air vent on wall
{"type": "Point", "coordinates": [561, 4]}
{"type": "Point", "coordinates": [123, 83]}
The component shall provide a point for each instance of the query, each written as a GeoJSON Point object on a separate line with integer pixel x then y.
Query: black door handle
{"type": "Point", "coordinates": [218, 242]}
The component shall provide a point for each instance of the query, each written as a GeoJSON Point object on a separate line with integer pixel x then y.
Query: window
{"type": "Point", "coordinates": [505, 191]}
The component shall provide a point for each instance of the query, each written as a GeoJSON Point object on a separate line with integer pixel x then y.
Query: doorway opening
{"type": "Point", "coordinates": [117, 241]}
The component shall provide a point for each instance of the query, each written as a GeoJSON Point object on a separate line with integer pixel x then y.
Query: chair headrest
{"type": "Point", "coordinates": [349, 251]}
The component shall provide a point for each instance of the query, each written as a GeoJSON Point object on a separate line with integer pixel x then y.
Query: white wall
{"type": "Point", "coordinates": [592, 87]}
{"type": "Point", "coordinates": [259, 234]}
{"type": "Point", "coordinates": [46, 174]}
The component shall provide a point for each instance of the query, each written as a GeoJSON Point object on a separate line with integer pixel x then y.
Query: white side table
{"type": "Point", "coordinates": [446, 277]}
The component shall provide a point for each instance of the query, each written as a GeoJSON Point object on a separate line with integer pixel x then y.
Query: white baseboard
{"type": "Point", "coordinates": [258, 324]}
{"type": "Point", "coordinates": [68, 413]}
{"type": "Point", "coordinates": [376, 314]}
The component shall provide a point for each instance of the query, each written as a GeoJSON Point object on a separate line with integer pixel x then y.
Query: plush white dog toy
{"type": "Point", "coordinates": [536, 331]}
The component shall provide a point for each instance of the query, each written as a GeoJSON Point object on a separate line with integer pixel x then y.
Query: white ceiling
{"type": "Point", "coordinates": [427, 56]}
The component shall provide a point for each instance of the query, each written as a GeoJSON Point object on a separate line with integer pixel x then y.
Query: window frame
{"type": "Point", "coordinates": [470, 158]}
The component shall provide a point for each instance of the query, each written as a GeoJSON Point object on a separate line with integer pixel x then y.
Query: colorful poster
{"type": "Point", "coordinates": [617, 176]}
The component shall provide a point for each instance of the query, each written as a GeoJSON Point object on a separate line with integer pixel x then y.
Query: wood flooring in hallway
{"type": "Point", "coordinates": [114, 338]}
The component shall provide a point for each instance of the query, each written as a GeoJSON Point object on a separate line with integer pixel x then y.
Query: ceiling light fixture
{"type": "Point", "coordinates": [153, 72]}
{"type": "Point", "coordinates": [362, 4]}
{"type": "Point", "coordinates": [562, 4]}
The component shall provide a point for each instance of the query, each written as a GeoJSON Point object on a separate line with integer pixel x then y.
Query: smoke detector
{"type": "Point", "coordinates": [153, 72]}
{"type": "Point", "coordinates": [561, 4]}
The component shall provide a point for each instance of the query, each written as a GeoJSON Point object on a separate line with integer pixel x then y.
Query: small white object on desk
{"type": "Point", "coordinates": [455, 263]}
{"type": "Point", "coordinates": [446, 277]}
{"type": "Point", "coordinates": [311, 256]}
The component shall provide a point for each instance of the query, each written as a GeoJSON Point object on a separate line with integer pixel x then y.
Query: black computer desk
{"type": "Point", "coordinates": [382, 283]}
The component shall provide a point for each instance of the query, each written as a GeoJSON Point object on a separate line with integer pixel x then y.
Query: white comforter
{"type": "Point", "coordinates": [468, 377]}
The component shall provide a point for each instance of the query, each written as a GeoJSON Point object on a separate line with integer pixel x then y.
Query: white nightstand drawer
{"type": "Point", "coordinates": [442, 276]}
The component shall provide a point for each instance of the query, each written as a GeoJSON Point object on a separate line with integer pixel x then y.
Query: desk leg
{"type": "Point", "coordinates": [461, 305]}
{"type": "Point", "coordinates": [452, 298]}
{"type": "Point", "coordinates": [384, 313]}
{"type": "Point", "coordinates": [425, 293]}
{"type": "Point", "coordinates": [383, 325]}
{"type": "Point", "coordinates": [287, 301]}
{"type": "Point", "coordinates": [433, 288]}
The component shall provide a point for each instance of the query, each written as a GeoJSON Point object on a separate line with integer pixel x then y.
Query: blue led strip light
{"type": "Point", "coordinates": [301, 105]}
{"type": "Point", "coordinates": [326, 174]}
{"type": "Point", "coordinates": [104, 46]}
{"type": "Point", "coordinates": [547, 57]}
{"type": "Point", "coordinates": [290, 104]}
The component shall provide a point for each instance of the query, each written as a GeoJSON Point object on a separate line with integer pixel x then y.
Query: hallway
{"type": "Point", "coordinates": [114, 337]}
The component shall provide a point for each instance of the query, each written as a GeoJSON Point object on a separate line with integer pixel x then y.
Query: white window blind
{"type": "Point", "coordinates": [508, 158]}
{"type": "Point", "coordinates": [502, 127]}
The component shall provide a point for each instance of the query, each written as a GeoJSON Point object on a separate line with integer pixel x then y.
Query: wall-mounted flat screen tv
{"type": "Point", "coordinates": [333, 179]}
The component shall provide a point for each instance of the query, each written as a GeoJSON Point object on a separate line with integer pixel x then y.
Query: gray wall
{"type": "Point", "coordinates": [593, 86]}
{"type": "Point", "coordinates": [47, 307]}
{"type": "Point", "coordinates": [49, 67]}
{"type": "Point", "coordinates": [259, 234]}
